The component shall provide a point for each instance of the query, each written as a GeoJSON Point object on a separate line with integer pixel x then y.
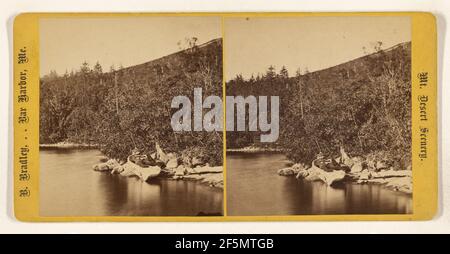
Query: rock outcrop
{"type": "Point", "coordinates": [168, 166]}
{"type": "Point", "coordinates": [373, 169]}
{"type": "Point", "coordinates": [106, 166]}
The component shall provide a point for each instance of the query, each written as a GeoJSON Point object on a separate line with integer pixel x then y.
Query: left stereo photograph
{"type": "Point", "coordinates": [106, 88]}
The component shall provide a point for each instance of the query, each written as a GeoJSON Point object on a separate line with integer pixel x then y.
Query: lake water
{"type": "Point", "coordinates": [69, 187]}
{"type": "Point", "coordinates": [254, 188]}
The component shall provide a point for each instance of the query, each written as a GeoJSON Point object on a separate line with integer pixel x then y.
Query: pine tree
{"type": "Point", "coordinates": [270, 74]}
{"type": "Point", "coordinates": [85, 68]}
{"type": "Point", "coordinates": [98, 68]}
{"type": "Point", "coordinates": [284, 72]}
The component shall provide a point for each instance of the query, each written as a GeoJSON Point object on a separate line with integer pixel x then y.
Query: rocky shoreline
{"type": "Point", "coordinates": [360, 171]}
{"type": "Point", "coordinates": [68, 145]}
{"type": "Point", "coordinates": [254, 149]}
{"type": "Point", "coordinates": [170, 166]}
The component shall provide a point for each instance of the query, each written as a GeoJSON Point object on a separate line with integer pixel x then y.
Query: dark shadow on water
{"type": "Point", "coordinates": [338, 185]}
{"type": "Point", "coordinates": [209, 214]}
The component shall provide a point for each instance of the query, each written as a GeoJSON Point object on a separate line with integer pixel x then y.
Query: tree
{"type": "Point", "coordinates": [98, 68]}
{"type": "Point", "coordinates": [284, 72]}
{"type": "Point", "coordinates": [270, 73]}
{"type": "Point", "coordinates": [130, 107]}
{"type": "Point", "coordinates": [85, 68]}
{"type": "Point", "coordinates": [359, 105]}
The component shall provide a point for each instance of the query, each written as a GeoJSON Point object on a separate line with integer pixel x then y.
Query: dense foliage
{"type": "Point", "coordinates": [363, 105]}
{"type": "Point", "coordinates": [130, 107]}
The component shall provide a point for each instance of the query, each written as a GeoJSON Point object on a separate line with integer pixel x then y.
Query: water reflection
{"type": "Point", "coordinates": [254, 188]}
{"type": "Point", "coordinates": [69, 187]}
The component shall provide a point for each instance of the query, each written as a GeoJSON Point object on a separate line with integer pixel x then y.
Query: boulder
{"type": "Point", "coordinates": [148, 173]}
{"type": "Point", "coordinates": [172, 156]}
{"type": "Point", "coordinates": [344, 158]}
{"type": "Point", "coordinates": [160, 154]}
{"type": "Point", "coordinates": [357, 167]}
{"type": "Point", "coordinates": [128, 169]}
{"type": "Point", "coordinates": [180, 171]}
{"type": "Point", "coordinates": [172, 163]}
{"type": "Point", "coordinates": [331, 177]}
{"type": "Point", "coordinates": [300, 170]}
{"type": "Point", "coordinates": [190, 171]}
{"type": "Point", "coordinates": [381, 165]}
{"type": "Point", "coordinates": [358, 159]}
{"type": "Point", "coordinates": [166, 172]}
{"type": "Point", "coordinates": [332, 165]}
{"type": "Point", "coordinates": [117, 169]}
{"type": "Point", "coordinates": [286, 172]}
{"type": "Point", "coordinates": [112, 163]}
{"type": "Point", "coordinates": [371, 164]}
{"type": "Point", "coordinates": [297, 167]}
{"type": "Point", "coordinates": [312, 176]}
{"type": "Point", "coordinates": [106, 166]}
{"type": "Point", "coordinates": [392, 173]}
{"type": "Point", "coordinates": [365, 175]}
{"type": "Point", "coordinates": [208, 169]}
{"type": "Point", "coordinates": [101, 167]}
{"type": "Point", "coordinates": [196, 161]}
{"type": "Point", "coordinates": [144, 173]}
{"type": "Point", "coordinates": [302, 174]}
{"type": "Point", "coordinates": [214, 180]}
{"type": "Point", "coordinates": [403, 184]}
{"type": "Point", "coordinates": [186, 160]}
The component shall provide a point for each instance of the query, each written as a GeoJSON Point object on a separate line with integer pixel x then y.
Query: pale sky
{"type": "Point", "coordinates": [67, 42]}
{"type": "Point", "coordinates": [250, 45]}
{"type": "Point", "coordinates": [305, 42]}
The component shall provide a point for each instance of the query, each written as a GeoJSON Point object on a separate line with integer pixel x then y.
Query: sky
{"type": "Point", "coordinates": [65, 43]}
{"type": "Point", "coordinates": [253, 44]}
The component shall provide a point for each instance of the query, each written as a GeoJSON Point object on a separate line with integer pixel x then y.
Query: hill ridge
{"type": "Point", "coordinates": [374, 54]}
{"type": "Point", "coordinates": [217, 40]}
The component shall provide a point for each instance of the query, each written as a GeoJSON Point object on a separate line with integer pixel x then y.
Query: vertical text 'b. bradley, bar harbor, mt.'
{"type": "Point", "coordinates": [23, 120]}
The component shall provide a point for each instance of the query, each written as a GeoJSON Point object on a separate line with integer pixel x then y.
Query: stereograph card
{"type": "Point", "coordinates": [225, 116]}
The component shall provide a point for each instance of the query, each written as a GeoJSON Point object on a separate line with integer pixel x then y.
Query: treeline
{"type": "Point", "coordinates": [130, 107]}
{"type": "Point", "coordinates": [363, 105]}
{"type": "Point", "coordinates": [271, 83]}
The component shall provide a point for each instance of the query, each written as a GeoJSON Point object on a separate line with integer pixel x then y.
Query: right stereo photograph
{"type": "Point", "coordinates": [318, 115]}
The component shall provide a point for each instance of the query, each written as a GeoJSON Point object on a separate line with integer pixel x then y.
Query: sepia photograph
{"type": "Point", "coordinates": [112, 90]}
{"type": "Point", "coordinates": [322, 109]}
{"type": "Point", "coordinates": [196, 118]}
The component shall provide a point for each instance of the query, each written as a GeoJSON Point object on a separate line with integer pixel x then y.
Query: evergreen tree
{"type": "Point", "coordinates": [284, 72]}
